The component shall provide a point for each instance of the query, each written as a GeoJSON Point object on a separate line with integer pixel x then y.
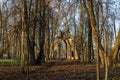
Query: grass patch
{"type": "Point", "coordinates": [9, 62]}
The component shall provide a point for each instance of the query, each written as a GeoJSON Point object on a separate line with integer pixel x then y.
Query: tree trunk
{"type": "Point", "coordinates": [24, 18]}
{"type": "Point", "coordinates": [115, 50]}
{"type": "Point", "coordinates": [42, 27]}
{"type": "Point", "coordinates": [81, 31]}
{"type": "Point", "coordinates": [31, 43]}
{"type": "Point", "coordinates": [1, 31]}
{"type": "Point", "coordinates": [105, 50]}
{"type": "Point", "coordinates": [95, 31]}
{"type": "Point", "coordinates": [31, 51]}
{"type": "Point", "coordinates": [89, 41]}
{"type": "Point", "coordinates": [95, 35]}
{"type": "Point", "coordinates": [47, 31]}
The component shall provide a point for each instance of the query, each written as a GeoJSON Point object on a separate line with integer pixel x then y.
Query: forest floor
{"type": "Point", "coordinates": [58, 70]}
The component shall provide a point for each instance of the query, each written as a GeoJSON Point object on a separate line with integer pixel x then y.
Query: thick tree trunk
{"type": "Point", "coordinates": [95, 36]}
{"type": "Point", "coordinates": [42, 27]}
{"type": "Point", "coordinates": [95, 31]}
{"type": "Point", "coordinates": [41, 57]}
{"type": "Point", "coordinates": [31, 37]}
{"type": "Point", "coordinates": [31, 50]}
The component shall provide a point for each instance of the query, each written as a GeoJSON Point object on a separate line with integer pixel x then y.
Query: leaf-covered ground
{"type": "Point", "coordinates": [58, 70]}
